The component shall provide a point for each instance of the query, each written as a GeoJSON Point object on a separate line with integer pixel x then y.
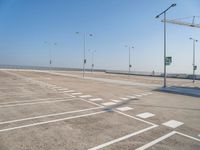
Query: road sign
{"type": "Point", "coordinates": [85, 61]}
{"type": "Point", "coordinates": [168, 60]}
{"type": "Point", "coordinates": [195, 68]}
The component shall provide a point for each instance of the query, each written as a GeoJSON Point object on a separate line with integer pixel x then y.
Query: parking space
{"type": "Point", "coordinates": [62, 112]}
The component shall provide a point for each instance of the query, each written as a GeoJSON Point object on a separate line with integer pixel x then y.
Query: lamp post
{"type": "Point", "coordinates": [84, 47]}
{"type": "Point", "coordinates": [92, 66]}
{"type": "Point", "coordinates": [164, 12]}
{"type": "Point", "coordinates": [194, 66]}
{"type": "Point", "coordinates": [50, 53]}
{"type": "Point", "coordinates": [129, 58]}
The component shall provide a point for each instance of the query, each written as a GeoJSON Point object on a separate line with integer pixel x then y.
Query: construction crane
{"type": "Point", "coordinates": [184, 23]}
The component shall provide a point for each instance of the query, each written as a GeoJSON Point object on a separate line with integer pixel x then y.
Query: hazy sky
{"type": "Point", "coordinates": [26, 24]}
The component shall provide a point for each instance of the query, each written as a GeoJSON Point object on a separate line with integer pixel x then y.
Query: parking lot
{"type": "Point", "coordinates": [48, 110]}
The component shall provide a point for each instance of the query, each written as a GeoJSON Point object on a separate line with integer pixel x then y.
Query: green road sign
{"type": "Point", "coordinates": [168, 61]}
{"type": "Point", "coordinates": [195, 68]}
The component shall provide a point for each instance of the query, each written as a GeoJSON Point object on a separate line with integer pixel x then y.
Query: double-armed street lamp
{"type": "Point", "coordinates": [164, 12]}
{"type": "Point", "coordinates": [84, 47]}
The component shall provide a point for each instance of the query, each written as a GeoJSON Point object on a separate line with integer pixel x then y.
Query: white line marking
{"type": "Point", "coordinates": [52, 101]}
{"type": "Point", "coordinates": [163, 138]}
{"type": "Point", "coordinates": [145, 115]}
{"type": "Point", "coordinates": [57, 88]}
{"type": "Point", "coordinates": [36, 100]}
{"type": "Point", "coordinates": [124, 108]}
{"type": "Point", "coordinates": [49, 115]}
{"type": "Point", "coordinates": [95, 99]}
{"type": "Point", "coordinates": [63, 89]}
{"type": "Point", "coordinates": [188, 136]}
{"type": "Point", "coordinates": [116, 101]}
{"type": "Point", "coordinates": [122, 138]}
{"type": "Point", "coordinates": [136, 118]}
{"type": "Point", "coordinates": [124, 98]}
{"type": "Point", "coordinates": [108, 103]}
{"type": "Point", "coordinates": [91, 102]}
{"type": "Point", "coordinates": [132, 97]}
{"type": "Point", "coordinates": [144, 94]}
{"type": "Point", "coordinates": [156, 141]}
{"type": "Point", "coordinates": [76, 93]}
{"type": "Point", "coordinates": [173, 124]}
{"type": "Point", "coordinates": [137, 95]}
{"type": "Point", "coordinates": [70, 91]}
{"type": "Point", "coordinates": [51, 121]}
{"type": "Point", "coordinates": [85, 96]}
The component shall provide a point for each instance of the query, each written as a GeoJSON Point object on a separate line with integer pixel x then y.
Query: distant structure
{"type": "Point", "coordinates": [181, 21]}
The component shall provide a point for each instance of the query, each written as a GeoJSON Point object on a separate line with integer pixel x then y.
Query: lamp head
{"type": "Point", "coordinates": [173, 5]}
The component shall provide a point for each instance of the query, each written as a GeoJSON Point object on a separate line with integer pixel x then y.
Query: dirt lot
{"type": "Point", "coordinates": [49, 110]}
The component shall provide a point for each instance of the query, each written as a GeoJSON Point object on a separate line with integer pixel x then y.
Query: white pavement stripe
{"type": "Point", "coordinates": [187, 136]}
{"type": "Point", "coordinates": [108, 103]}
{"type": "Point", "coordinates": [23, 104]}
{"type": "Point", "coordinates": [173, 124]}
{"type": "Point", "coordinates": [135, 118]}
{"type": "Point", "coordinates": [145, 115]}
{"type": "Point", "coordinates": [132, 97]}
{"type": "Point", "coordinates": [49, 115]}
{"type": "Point", "coordinates": [70, 91]}
{"type": "Point", "coordinates": [124, 98]}
{"type": "Point", "coordinates": [124, 108]}
{"type": "Point", "coordinates": [37, 100]}
{"type": "Point", "coordinates": [63, 89]}
{"type": "Point", "coordinates": [76, 93]}
{"type": "Point", "coordinates": [85, 96]}
{"type": "Point", "coordinates": [163, 138]}
{"type": "Point", "coordinates": [51, 121]}
{"type": "Point", "coordinates": [156, 141]}
{"type": "Point", "coordinates": [121, 138]}
{"type": "Point", "coordinates": [91, 102]}
{"type": "Point", "coordinates": [95, 99]}
{"type": "Point", "coordinates": [144, 94]}
{"type": "Point", "coordinates": [138, 95]}
{"type": "Point", "coordinates": [116, 101]}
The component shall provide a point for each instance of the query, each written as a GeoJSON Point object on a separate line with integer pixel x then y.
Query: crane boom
{"type": "Point", "coordinates": [182, 23]}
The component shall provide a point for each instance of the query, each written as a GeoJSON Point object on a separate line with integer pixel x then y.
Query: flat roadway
{"type": "Point", "coordinates": [59, 110]}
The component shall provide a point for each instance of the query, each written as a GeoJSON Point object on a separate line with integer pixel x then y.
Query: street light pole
{"type": "Point", "coordinates": [50, 53]}
{"type": "Point", "coordinates": [84, 60]}
{"type": "Point", "coordinates": [129, 67]}
{"type": "Point", "coordinates": [165, 69]}
{"type": "Point", "coordinates": [129, 58]}
{"type": "Point", "coordinates": [194, 66]}
{"type": "Point", "coordinates": [93, 60]}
